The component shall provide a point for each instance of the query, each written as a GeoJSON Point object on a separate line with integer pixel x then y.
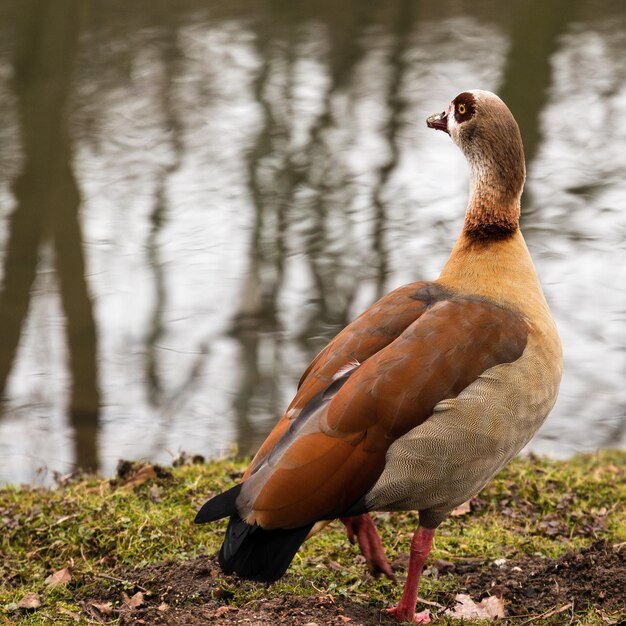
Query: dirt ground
{"type": "Point", "coordinates": [595, 576]}
{"type": "Point", "coordinates": [194, 592]}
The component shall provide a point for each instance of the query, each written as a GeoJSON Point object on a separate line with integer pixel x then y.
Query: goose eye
{"type": "Point", "coordinates": [461, 109]}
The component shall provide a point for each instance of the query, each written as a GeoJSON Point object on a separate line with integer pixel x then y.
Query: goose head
{"type": "Point", "coordinates": [484, 128]}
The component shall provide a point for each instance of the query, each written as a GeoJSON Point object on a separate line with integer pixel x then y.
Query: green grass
{"type": "Point", "coordinates": [535, 506]}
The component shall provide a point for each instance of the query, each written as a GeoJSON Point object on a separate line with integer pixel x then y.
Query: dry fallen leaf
{"type": "Point", "coordinates": [100, 489]}
{"type": "Point", "coordinates": [141, 476]}
{"type": "Point", "coordinates": [74, 616]}
{"type": "Point", "coordinates": [29, 602]}
{"type": "Point", "coordinates": [463, 509]}
{"type": "Point", "coordinates": [610, 468]}
{"type": "Point", "coordinates": [132, 603]}
{"type": "Point", "coordinates": [326, 597]}
{"type": "Point", "coordinates": [106, 608]}
{"type": "Point", "coordinates": [466, 608]}
{"type": "Point", "coordinates": [60, 577]}
{"type": "Point", "coordinates": [155, 493]}
{"type": "Point", "coordinates": [224, 609]}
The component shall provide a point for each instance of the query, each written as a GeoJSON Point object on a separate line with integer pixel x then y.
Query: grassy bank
{"type": "Point", "coordinates": [122, 551]}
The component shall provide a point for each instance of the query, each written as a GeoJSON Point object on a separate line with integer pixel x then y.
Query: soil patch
{"type": "Point", "coordinates": [196, 592]}
{"type": "Point", "coordinates": [595, 576]}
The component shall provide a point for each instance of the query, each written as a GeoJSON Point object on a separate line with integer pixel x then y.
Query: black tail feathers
{"type": "Point", "coordinates": [258, 554]}
{"type": "Point", "coordinates": [251, 551]}
{"type": "Point", "coordinates": [220, 506]}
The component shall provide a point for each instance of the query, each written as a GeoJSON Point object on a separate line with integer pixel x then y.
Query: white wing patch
{"type": "Point", "coordinates": [344, 369]}
{"type": "Point", "coordinates": [292, 413]}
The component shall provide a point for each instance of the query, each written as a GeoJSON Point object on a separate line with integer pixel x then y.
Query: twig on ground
{"type": "Point", "coordinates": [549, 613]}
{"type": "Point", "coordinates": [119, 580]}
{"type": "Point", "coordinates": [429, 603]}
{"type": "Point", "coordinates": [571, 621]}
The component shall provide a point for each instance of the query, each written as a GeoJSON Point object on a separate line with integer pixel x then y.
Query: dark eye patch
{"type": "Point", "coordinates": [464, 107]}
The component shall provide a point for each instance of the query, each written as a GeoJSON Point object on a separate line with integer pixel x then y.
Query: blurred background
{"type": "Point", "coordinates": [195, 196]}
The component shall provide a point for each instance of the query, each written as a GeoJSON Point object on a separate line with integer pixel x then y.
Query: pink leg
{"type": "Point", "coordinates": [420, 547]}
{"type": "Point", "coordinates": [362, 529]}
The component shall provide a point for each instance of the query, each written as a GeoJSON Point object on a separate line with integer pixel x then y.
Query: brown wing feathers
{"type": "Point", "coordinates": [337, 451]}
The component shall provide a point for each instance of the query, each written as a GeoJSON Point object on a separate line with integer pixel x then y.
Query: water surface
{"type": "Point", "coordinates": [196, 196]}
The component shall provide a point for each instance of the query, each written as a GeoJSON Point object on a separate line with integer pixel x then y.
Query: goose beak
{"type": "Point", "coordinates": [439, 121]}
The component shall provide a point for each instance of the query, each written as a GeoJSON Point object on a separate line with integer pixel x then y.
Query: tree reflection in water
{"type": "Point", "coordinates": [46, 215]}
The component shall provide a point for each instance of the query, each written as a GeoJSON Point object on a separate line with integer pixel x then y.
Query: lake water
{"type": "Point", "coordinates": [195, 196]}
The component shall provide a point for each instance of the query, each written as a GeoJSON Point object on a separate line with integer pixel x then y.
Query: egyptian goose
{"type": "Point", "coordinates": [421, 400]}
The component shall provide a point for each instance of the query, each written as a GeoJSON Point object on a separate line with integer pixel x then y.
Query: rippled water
{"type": "Point", "coordinates": [194, 197]}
